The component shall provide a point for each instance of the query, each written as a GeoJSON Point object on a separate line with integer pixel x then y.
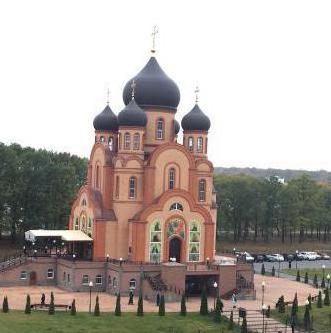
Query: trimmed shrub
{"type": "Point", "coordinates": [327, 297]}
{"type": "Point", "coordinates": [273, 271]}
{"type": "Point", "coordinates": [315, 281]}
{"type": "Point", "coordinates": [162, 306]}
{"type": "Point", "coordinates": [231, 321]}
{"type": "Point", "coordinates": [118, 311]}
{"type": "Point", "coordinates": [217, 310]}
{"type": "Point", "coordinates": [73, 308]}
{"type": "Point", "coordinates": [51, 309]}
{"type": "Point", "coordinates": [262, 269]}
{"type": "Point", "coordinates": [298, 278]}
{"type": "Point", "coordinates": [5, 306]}
{"type": "Point", "coordinates": [204, 302]}
{"type": "Point", "coordinates": [309, 301]}
{"type": "Point", "coordinates": [97, 307]}
{"type": "Point", "coordinates": [306, 319]}
{"type": "Point", "coordinates": [295, 306]}
{"type": "Point", "coordinates": [183, 306]}
{"type": "Point", "coordinates": [306, 278]}
{"type": "Point", "coordinates": [28, 305]}
{"type": "Point", "coordinates": [319, 300]}
{"type": "Point", "coordinates": [140, 309]}
{"type": "Point", "coordinates": [323, 282]}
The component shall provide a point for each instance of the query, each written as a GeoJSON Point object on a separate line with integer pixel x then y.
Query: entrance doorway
{"type": "Point", "coordinates": [175, 248]}
{"type": "Point", "coordinates": [33, 278]}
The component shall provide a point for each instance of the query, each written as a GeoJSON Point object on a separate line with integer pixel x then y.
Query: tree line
{"type": "Point", "coordinates": [37, 188]}
{"type": "Point", "coordinates": [264, 208]}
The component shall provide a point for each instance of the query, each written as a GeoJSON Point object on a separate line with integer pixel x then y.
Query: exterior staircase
{"type": "Point", "coordinates": [157, 283]}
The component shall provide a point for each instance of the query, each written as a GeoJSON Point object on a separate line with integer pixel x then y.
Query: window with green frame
{"type": "Point", "coordinates": [194, 241]}
{"type": "Point", "coordinates": [155, 241]}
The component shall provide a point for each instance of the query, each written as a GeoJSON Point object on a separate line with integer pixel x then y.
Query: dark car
{"type": "Point", "coordinates": [259, 258]}
{"type": "Point", "coordinates": [289, 257]}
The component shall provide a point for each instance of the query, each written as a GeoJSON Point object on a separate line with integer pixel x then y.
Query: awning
{"type": "Point", "coordinates": [65, 235]}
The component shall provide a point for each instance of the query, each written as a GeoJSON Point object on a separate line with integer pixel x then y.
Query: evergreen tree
{"type": "Point", "coordinates": [306, 319]}
{"type": "Point", "coordinates": [140, 309]}
{"type": "Point", "coordinates": [295, 305]}
{"type": "Point", "coordinates": [5, 306]}
{"type": "Point", "coordinates": [327, 297]}
{"type": "Point", "coordinates": [309, 302]}
{"type": "Point", "coordinates": [162, 306]}
{"type": "Point", "coordinates": [315, 281]}
{"type": "Point", "coordinates": [244, 328]}
{"type": "Point", "coordinates": [73, 308]}
{"type": "Point", "coordinates": [319, 300]}
{"type": "Point", "coordinates": [306, 278]}
{"type": "Point", "coordinates": [263, 269]}
{"type": "Point", "coordinates": [118, 305]}
{"type": "Point", "coordinates": [204, 302]}
{"type": "Point", "coordinates": [298, 276]}
{"type": "Point", "coordinates": [28, 305]}
{"type": "Point", "coordinates": [51, 309]}
{"type": "Point", "coordinates": [217, 311]}
{"type": "Point", "coordinates": [323, 282]}
{"type": "Point", "coordinates": [231, 321]}
{"type": "Point", "coordinates": [294, 317]}
{"type": "Point", "coordinates": [273, 271]}
{"type": "Point", "coordinates": [183, 306]}
{"type": "Point", "coordinates": [97, 307]}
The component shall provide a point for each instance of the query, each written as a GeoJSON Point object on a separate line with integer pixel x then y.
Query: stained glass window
{"type": "Point", "coordinates": [194, 245]}
{"type": "Point", "coordinates": [155, 241]}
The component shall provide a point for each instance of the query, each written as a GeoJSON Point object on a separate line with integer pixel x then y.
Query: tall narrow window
{"type": "Point", "coordinates": [160, 129]}
{"type": "Point", "coordinates": [172, 178]}
{"type": "Point", "coordinates": [190, 143]}
{"type": "Point", "coordinates": [127, 141]}
{"type": "Point", "coordinates": [202, 190]}
{"type": "Point", "coordinates": [117, 187]}
{"type": "Point", "coordinates": [132, 187]}
{"type": "Point", "coordinates": [97, 176]}
{"type": "Point", "coordinates": [136, 141]}
{"type": "Point", "coordinates": [200, 144]}
{"type": "Point", "coordinates": [111, 143]}
{"type": "Point", "coordinates": [119, 141]}
{"type": "Point", "coordinates": [206, 150]}
{"type": "Point", "coordinates": [102, 139]}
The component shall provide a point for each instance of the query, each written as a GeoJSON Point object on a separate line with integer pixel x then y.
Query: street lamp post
{"type": "Point", "coordinates": [90, 304]}
{"type": "Point", "coordinates": [263, 291]}
{"type": "Point", "coordinates": [215, 286]}
{"type": "Point", "coordinates": [264, 308]}
{"type": "Point", "coordinates": [296, 259]}
{"type": "Point", "coordinates": [323, 280]}
{"type": "Point", "coordinates": [328, 277]}
{"type": "Point", "coordinates": [107, 257]}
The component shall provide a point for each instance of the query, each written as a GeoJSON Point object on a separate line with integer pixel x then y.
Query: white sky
{"type": "Point", "coordinates": [263, 68]}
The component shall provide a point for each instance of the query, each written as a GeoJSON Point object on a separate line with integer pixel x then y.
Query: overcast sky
{"type": "Point", "coordinates": [263, 68]}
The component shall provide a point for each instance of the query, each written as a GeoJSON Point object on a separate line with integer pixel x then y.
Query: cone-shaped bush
{"type": "Point", "coordinates": [204, 302]}
{"type": "Point", "coordinates": [217, 312]}
{"type": "Point", "coordinates": [51, 309]}
{"type": "Point", "coordinates": [244, 328]}
{"type": "Point", "coordinates": [327, 297]}
{"type": "Point", "coordinates": [319, 300]}
{"type": "Point", "coordinates": [323, 282]}
{"type": "Point", "coordinates": [298, 276]}
{"type": "Point", "coordinates": [273, 271]}
{"type": "Point", "coordinates": [306, 278]}
{"type": "Point", "coordinates": [263, 270]}
{"type": "Point", "coordinates": [5, 305]}
{"type": "Point", "coordinates": [231, 321]}
{"type": "Point", "coordinates": [306, 319]}
{"type": "Point", "coordinates": [183, 306]}
{"type": "Point", "coordinates": [309, 302]}
{"type": "Point", "coordinates": [140, 309]}
{"type": "Point", "coordinates": [295, 305]}
{"type": "Point", "coordinates": [73, 308]}
{"type": "Point", "coordinates": [162, 306]}
{"type": "Point", "coordinates": [118, 311]}
{"type": "Point", "coordinates": [315, 281]}
{"type": "Point", "coordinates": [28, 305]}
{"type": "Point", "coordinates": [97, 307]}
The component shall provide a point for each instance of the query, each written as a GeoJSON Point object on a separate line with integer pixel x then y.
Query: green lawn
{"type": "Point", "coordinates": [321, 317]}
{"type": "Point", "coordinates": [41, 322]}
{"type": "Point", "coordinates": [311, 273]}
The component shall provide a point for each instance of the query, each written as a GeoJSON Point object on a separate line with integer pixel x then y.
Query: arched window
{"type": "Point", "coordinates": [160, 129]}
{"type": "Point", "coordinates": [132, 187]}
{"type": "Point", "coordinates": [84, 202]}
{"type": "Point", "coordinates": [119, 141]}
{"type": "Point", "coordinates": [136, 141]}
{"type": "Point", "coordinates": [102, 139]}
{"type": "Point", "coordinates": [172, 179]}
{"type": "Point", "coordinates": [111, 143]}
{"type": "Point", "coordinates": [114, 282]}
{"type": "Point", "coordinates": [190, 144]}
{"type": "Point", "coordinates": [200, 144]}
{"type": "Point", "coordinates": [202, 190]}
{"type": "Point", "coordinates": [83, 223]}
{"type": "Point", "coordinates": [89, 224]}
{"type": "Point", "coordinates": [97, 176]}
{"type": "Point", "coordinates": [127, 141]}
{"type": "Point", "coordinates": [117, 187]}
{"type": "Point", "coordinates": [176, 206]}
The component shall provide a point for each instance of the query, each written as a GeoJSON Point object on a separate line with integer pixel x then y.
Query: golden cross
{"type": "Point", "coordinates": [133, 86]}
{"type": "Point", "coordinates": [155, 31]}
{"type": "Point", "coordinates": [197, 90]}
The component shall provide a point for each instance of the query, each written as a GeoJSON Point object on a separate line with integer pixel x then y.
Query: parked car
{"type": "Point", "coordinates": [276, 257]}
{"type": "Point", "coordinates": [301, 256]}
{"type": "Point", "coordinates": [324, 256]}
{"type": "Point", "coordinates": [248, 257]}
{"type": "Point", "coordinates": [259, 258]}
{"type": "Point", "coordinates": [288, 257]}
{"type": "Point", "coordinates": [307, 255]}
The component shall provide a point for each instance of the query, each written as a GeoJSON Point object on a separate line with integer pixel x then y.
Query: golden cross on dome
{"type": "Point", "coordinates": [196, 91]}
{"type": "Point", "coordinates": [155, 31]}
{"type": "Point", "coordinates": [108, 93]}
{"type": "Point", "coordinates": [133, 86]}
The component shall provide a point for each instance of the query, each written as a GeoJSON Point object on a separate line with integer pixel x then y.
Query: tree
{"type": "Point", "coordinates": [327, 297]}
{"type": "Point", "coordinates": [28, 305]}
{"type": "Point", "coordinates": [309, 301]}
{"type": "Point", "coordinates": [306, 319]}
{"type": "Point", "coordinates": [118, 305]}
{"type": "Point", "coordinates": [244, 328]}
{"type": "Point", "coordinates": [96, 307]}
{"type": "Point", "coordinates": [5, 306]}
{"type": "Point", "coordinates": [231, 321]}
{"type": "Point", "coordinates": [263, 269]}
{"type": "Point", "coordinates": [204, 302]}
{"type": "Point", "coordinates": [295, 305]}
{"type": "Point", "coordinates": [183, 306]}
{"type": "Point", "coordinates": [306, 278]}
{"type": "Point", "coordinates": [140, 309]}
{"type": "Point", "coordinates": [315, 281]}
{"type": "Point", "coordinates": [273, 271]}
{"type": "Point", "coordinates": [51, 309]}
{"type": "Point", "coordinates": [73, 308]}
{"type": "Point", "coordinates": [162, 306]}
{"type": "Point", "coordinates": [319, 300]}
{"type": "Point", "coordinates": [298, 276]}
{"type": "Point", "coordinates": [217, 311]}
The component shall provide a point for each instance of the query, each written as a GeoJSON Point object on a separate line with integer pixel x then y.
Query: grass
{"type": "Point", "coordinates": [321, 317]}
{"type": "Point", "coordinates": [41, 322]}
{"type": "Point", "coordinates": [311, 273]}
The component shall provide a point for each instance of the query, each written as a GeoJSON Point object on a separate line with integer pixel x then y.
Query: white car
{"type": "Point", "coordinates": [276, 257]}
{"type": "Point", "coordinates": [307, 256]}
{"type": "Point", "coordinates": [248, 257]}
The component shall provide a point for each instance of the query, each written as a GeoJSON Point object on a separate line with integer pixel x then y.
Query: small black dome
{"type": "Point", "coordinates": [154, 88]}
{"type": "Point", "coordinates": [132, 115]}
{"type": "Point", "coordinates": [106, 120]}
{"type": "Point", "coordinates": [177, 126]}
{"type": "Point", "coordinates": [195, 120]}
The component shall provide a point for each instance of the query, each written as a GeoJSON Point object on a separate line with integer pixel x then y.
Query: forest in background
{"type": "Point", "coordinates": [37, 188]}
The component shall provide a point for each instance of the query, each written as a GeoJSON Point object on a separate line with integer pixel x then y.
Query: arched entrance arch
{"type": "Point", "coordinates": [175, 245]}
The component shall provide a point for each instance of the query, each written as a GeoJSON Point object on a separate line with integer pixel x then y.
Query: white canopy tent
{"type": "Point", "coordinates": [65, 235]}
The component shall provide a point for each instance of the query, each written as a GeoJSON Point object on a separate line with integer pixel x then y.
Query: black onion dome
{"type": "Point", "coordinates": [132, 115]}
{"type": "Point", "coordinates": [195, 120]}
{"type": "Point", "coordinates": [154, 88]}
{"type": "Point", "coordinates": [177, 126]}
{"type": "Point", "coordinates": [106, 120]}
